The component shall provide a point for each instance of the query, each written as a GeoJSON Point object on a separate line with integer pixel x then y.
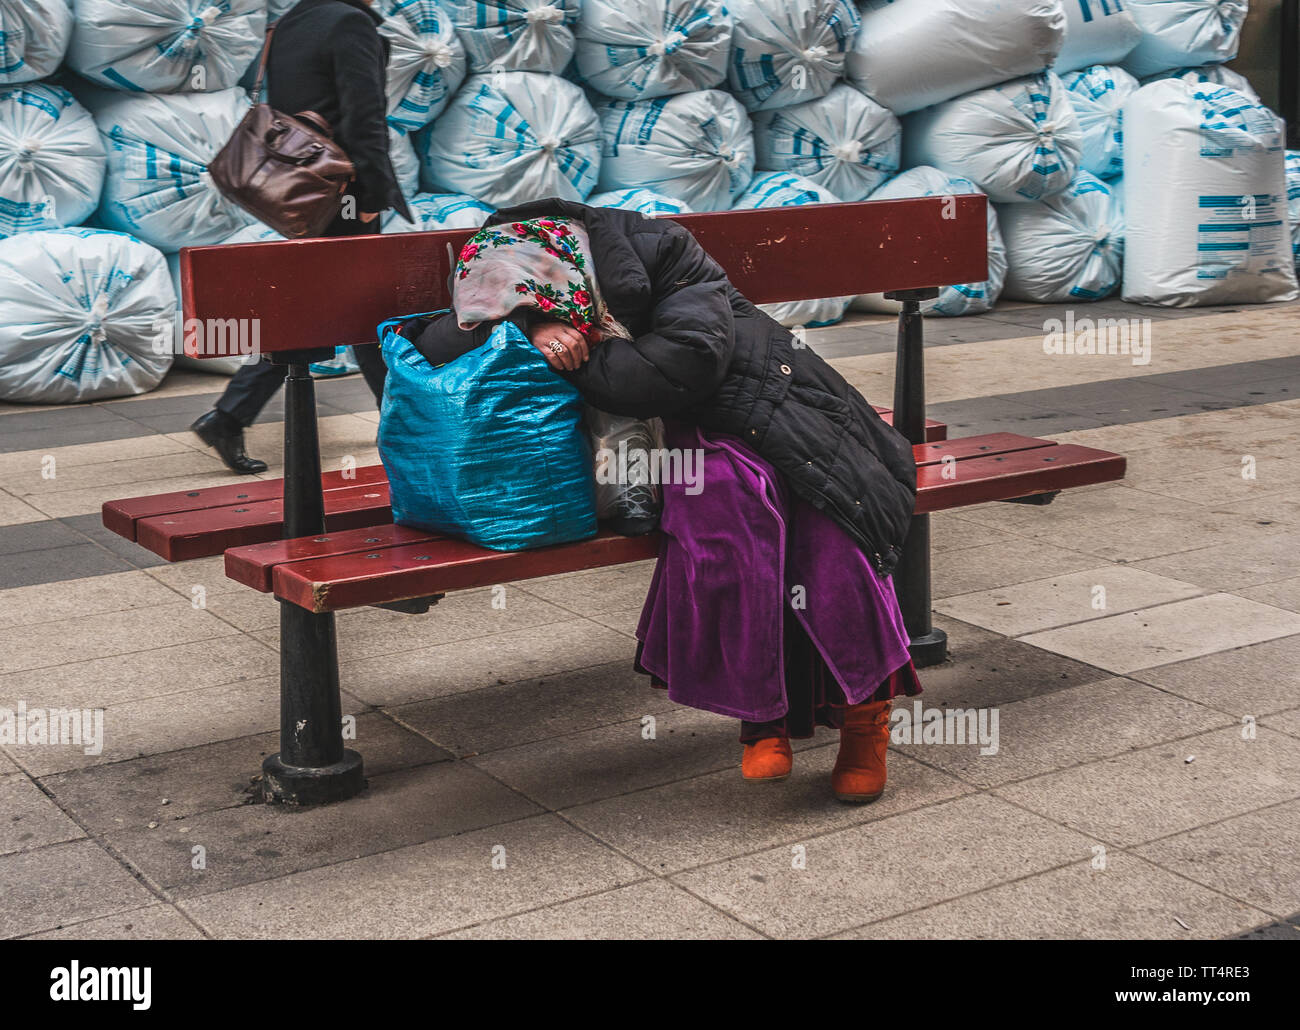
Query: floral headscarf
{"type": "Point", "coordinates": [542, 264]}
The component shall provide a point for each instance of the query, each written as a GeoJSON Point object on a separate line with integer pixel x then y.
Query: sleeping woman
{"type": "Point", "coordinates": [771, 601]}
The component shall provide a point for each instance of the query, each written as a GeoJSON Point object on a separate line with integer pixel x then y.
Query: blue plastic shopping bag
{"type": "Point", "coordinates": [489, 447]}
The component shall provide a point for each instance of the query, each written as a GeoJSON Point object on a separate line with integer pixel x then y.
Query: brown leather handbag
{"type": "Point", "coordinates": [286, 171]}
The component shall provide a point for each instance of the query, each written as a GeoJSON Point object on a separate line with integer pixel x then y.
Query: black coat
{"type": "Point", "coordinates": [327, 56]}
{"type": "Point", "coordinates": [702, 353]}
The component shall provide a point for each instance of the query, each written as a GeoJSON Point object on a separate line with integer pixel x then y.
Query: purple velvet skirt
{"type": "Point", "coordinates": [761, 607]}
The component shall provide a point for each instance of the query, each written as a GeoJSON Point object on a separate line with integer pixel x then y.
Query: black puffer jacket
{"type": "Point", "coordinates": [702, 353]}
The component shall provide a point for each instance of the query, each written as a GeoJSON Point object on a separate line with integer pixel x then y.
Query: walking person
{"type": "Point", "coordinates": [326, 56]}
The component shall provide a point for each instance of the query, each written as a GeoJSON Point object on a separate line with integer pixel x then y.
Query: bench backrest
{"type": "Point", "coordinates": [318, 293]}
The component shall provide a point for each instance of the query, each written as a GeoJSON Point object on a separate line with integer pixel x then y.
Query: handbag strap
{"type": "Point", "coordinates": [261, 66]}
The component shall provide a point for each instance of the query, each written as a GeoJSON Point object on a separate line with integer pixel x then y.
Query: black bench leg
{"type": "Point", "coordinates": [312, 765]}
{"type": "Point", "coordinates": [929, 646]}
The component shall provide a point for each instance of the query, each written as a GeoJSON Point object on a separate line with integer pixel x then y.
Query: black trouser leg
{"type": "Point", "coordinates": [371, 360]}
{"type": "Point", "coordinates": [249, 390]}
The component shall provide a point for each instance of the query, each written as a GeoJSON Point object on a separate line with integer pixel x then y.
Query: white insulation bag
{"type": "Point", "coordinates": [961, 299]}
{"type": "Point", "coordinates": [788, 51]}
{"type": "Point", "coordinates": [517, 35]}
{"type": "Point", "coordinates": [914, 53]}
{"type": "Point", "coordinates": [1097, 95]}
{"type": "Point", "coordinates": [51, 159]}
{"type": "Point", "coordinates": [648, 202]}
{"type": "Point", "coordinates": [158, 187]}
{"type": "Point", "coordinates": [781, 189]}
{"type": "Point", "coordinates": [694, 147]}
{"type": "Point", "coordinates": [508, 137]}
{"type": "Point", "coordinates": [1205, 198]}
{"type": "Point", "coordinates": [406, 163]}
{"type": "Point", "coordinates": [84, 315]}
{"type": "Point", "coordinates": [1293, 200]}
{"type": "Point", "coordinates": [1179, 33]}
{"type": "Point", "coordinates": [1017, 141]}
{"type": "Point", "coordinates": [166, 46]}
{"type": "Point", "coordinates": [1069, 247]}
{"type": "Point", "coordinates": [652, 48]}
{"type": "Point", "coordinates": [1096, 32]}
{"type": "Point", "coordinates": [426, 61]}
{"type": "Point", "coordinates": [844, 141]}
{"type": "Point", "coordinates": [34, 37]}
{"type": "Point", "coordinates": [437, 211]}
{"type": "Point", "coordinates": [1214, 74]}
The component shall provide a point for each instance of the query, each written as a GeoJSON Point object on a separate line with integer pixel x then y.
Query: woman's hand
{"type": "Point", "coordinates": [561, 345]}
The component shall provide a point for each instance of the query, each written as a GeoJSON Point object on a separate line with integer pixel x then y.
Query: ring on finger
{"type": "Point", "coordinates": [557, 348]}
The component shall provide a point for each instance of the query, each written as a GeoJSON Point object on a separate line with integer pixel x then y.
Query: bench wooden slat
{"type": "Point", "coordinates": [123, 516]}
{"type": "Point", "coordinates": [966, 448]}
{"type": "Point", "coordinates": [1019, 474]}
{"type": "Point", "coordinates": [253, 564]}
{"type": "Point", "coordinates": [203, 533]}
{"type": "Point", "coordinates": [291, 289]}
{"type": "Point", "coordinates": [335, 574]}
{"type": "Point", "coordinates": [174, 525]}
{"type": "Point", "coordinates": [441, 566]}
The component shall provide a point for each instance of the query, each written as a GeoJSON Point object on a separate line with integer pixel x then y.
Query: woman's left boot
{"type": "Point", "coordinates": [859, 773]}
{"type": "Point", "coordinates": [767, 760]}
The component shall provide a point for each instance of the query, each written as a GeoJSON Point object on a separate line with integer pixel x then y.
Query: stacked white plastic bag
{"type": "Point", "coordinates": [34, 37]}
{"type": "Point", "coordinates": [84, 315]}
{"type": "Point", "coordinates": [166, 46]}
{"type": "Point", "coordinates": [436, 211]}
{"type": "Point", "coordinates": [1069, 247]}
{"type": "Point", "coordinates": [914, 53]}
{"type": "Point", "coordinates": [1096, 32]}
{"type": "Point", "coordinates": [406, 162]}
{"type": "Point", "coordinates": [781, 189]}
{"type": "Point", "coordinates": [508, 137]}
{"type": "Point", "coordinates": [51, 159]}
{"type": "Point", "coordinates": [426, 61]}
{"type": "Point", "coordinates": [648, 202]}
{"type": "Point", "coordinates": [1214, 74]}
{"type": "Point", "coordinates": [1293, 200]}
{"type": "Point", "coordinates": [1018, 141]}
{"type": "Point", "coordinates": [1179, 33]}
{"type": "Point", "coordinates": [517, 35]}
{"type": "Point", "coordinates": [844, 141]}
{"type": "Point", "coordinates": [652, 48]}
{"type": "Point", "coordinates": [1097, 95]}
{"type": "Point", "coordinates": [1205, 198]}
{"type": "Point", "coordinates": [695, 147]}
{"type": "Point", "coordinates": [158, 147]}
{"type": "Point", "coordinates": [963, 298]}
{"type": "Point", "coordinates": [788, 51]}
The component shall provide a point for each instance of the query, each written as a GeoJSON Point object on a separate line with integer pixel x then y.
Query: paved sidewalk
{"type": "Point", "coordinates": [1140, 642]}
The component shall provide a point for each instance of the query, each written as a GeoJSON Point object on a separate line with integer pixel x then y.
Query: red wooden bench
{"type": "Point", "coordinates": [323, 543]}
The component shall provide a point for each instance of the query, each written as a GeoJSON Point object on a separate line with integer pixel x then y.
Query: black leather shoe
{"type": "Point", "coordinates": [218, 430]}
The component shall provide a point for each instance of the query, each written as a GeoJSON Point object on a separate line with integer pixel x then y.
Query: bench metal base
{"type": "Point", "coordinates": [312, 785]}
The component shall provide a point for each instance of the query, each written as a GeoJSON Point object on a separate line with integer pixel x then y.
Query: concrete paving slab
{"type": "Point", "coordinates": [1245, 681]}
{"type": "Point", "coordinates": [1145, 795]}
{"type": "Point", "coordinates": [1168, 633]}
{"type": "Point", "coordinates": [1062, 729]}
{"type": "Point", "coordinates": [31, 819]}
{"type": "Point", "coordinates": [708, 818]}
{"type": "Point", "coordinates": [254, 843]}
{"type": "Point", "coordinates": [1254, 857]}
{"type": "Point", "coordinates": [869, 871]}
{"type": "Point", "coordinates": [1065, 600]}
{"type": "Point", "coordinates": [62, 884]}
{"type": "Point", "coordinates": [152, 923]}
{"type": "Point", "coordinates": [649, 910]}
{"type": "Point", "coordinates": [1127, 900]}
{"type": "Point", "coordinates": [403, 893]}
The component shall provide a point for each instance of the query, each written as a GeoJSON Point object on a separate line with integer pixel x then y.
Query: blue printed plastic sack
{"type": "Point", "coordinates": [489, 447]}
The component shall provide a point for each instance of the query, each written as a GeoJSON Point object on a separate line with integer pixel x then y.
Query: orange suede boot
{"type": "Point", "coordinates": [767, 760]}
{"type": "Point", "coordinates": [859, 773]}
